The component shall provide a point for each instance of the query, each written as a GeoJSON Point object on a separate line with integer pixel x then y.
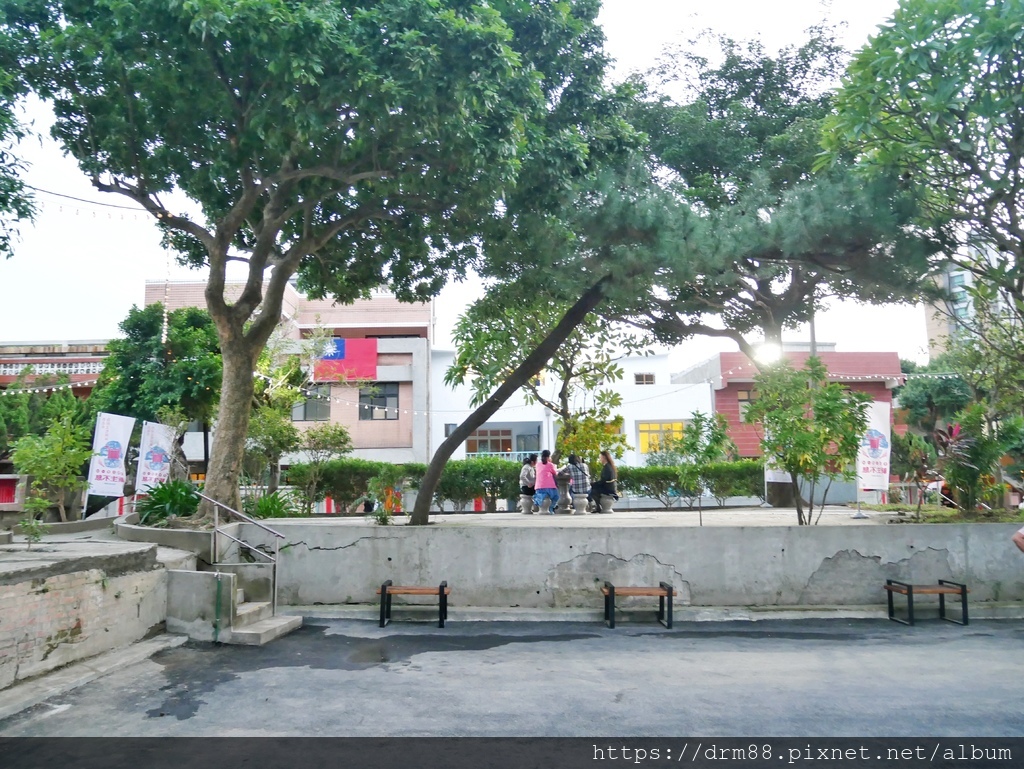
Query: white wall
{"type": "Point", "coordinates": [660, 402]}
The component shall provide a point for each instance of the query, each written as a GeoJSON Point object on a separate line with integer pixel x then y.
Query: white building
{"type": "Point", "coordinates": [651, 406]}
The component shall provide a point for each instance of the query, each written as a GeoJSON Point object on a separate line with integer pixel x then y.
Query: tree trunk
{"type": "Point", "coordinates": [274, 476]}
{"type": "Point", "coordinates": [225, 467]}
{"type": "Point", "coordinates": [526, 370]}
{"type": "Point", "coordinates": [798, 500]}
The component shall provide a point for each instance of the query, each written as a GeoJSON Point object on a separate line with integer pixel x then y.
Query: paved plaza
{"type": "Point", "coordinates": [811, 677]}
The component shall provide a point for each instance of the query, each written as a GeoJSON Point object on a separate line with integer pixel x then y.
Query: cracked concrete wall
{"type": "Point", "coordinates": [334, 562]}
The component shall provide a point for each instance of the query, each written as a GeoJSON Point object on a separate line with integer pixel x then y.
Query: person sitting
{"type": "Point", "coordinates": [579, 475]}
{"type": "Point", "coordinates": [605, 485]}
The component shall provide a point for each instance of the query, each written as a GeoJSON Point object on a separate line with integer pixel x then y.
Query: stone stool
{"type": "Point", "coordinates": [579, 503]}
{"type": "Point", "coordinates": [526, 500]}
{"type": "Point", "coordinates": [606, 501]}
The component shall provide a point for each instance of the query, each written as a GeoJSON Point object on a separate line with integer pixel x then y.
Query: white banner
{"type": "Point", "coordinates": [775, 474]}
{"type": "Point", "coordinates": [154, 456]}
{"type": "Point", "coordinates": [106, 471]}
{"type": "Point", "coordinates": [875, 445]}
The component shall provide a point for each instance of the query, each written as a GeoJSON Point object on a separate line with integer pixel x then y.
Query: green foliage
{"type": "Point", "coordinates": [811, 428]}
{"type": "Point", "coordinates": [463, 481]}
{"type": "Point", "coordinates": [276, 504]}
{"type": "Point", "coordinates": [770, 240]}
{"type": "Point", "coordinates": [32, 527]}
{"type": "Point", "coordinates": [271, 434]}
{"type": "Point", "coordinates": [739, 478]}
{"type": "Point", "coordinates": [935, 98]}
{"type": "Point", "coordinates": [167, 501]}
{"type": "Point", "coordinates": [658, 482]}
{"type": "Point", "coordinates": [928, 399]}
{"type": "Point", "coordinates": [55, 461]}
{"type": "Point", "coordinates": [320, 444]}
{"type": "Point", "coordinates": [386, 488]}
{"type": "Point", "coordinates": [969, 470]}
{"type": "Point", "coordinates": [143, 374]}
{"type": "Point", "coordinates": [912, 456]}
{"type": "Point", "coordinates": [670, 484]}
{"type": "Point", "coordinates": [500, 330]}
{"type": "Point", "coordinates": [16, 204]}
{"type": "Point", "coordinates": [348, 145]}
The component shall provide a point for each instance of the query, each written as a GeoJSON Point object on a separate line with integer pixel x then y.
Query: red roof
{"type": "Point", "coordinates": [842, 366]}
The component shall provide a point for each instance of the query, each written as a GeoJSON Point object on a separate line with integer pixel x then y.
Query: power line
{"type": "Point", "coordinates": [138, 210]}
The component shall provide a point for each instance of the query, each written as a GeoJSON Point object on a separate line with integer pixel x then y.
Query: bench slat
{"type": "Point", "coordinates": [641, 591]}
{"type": "Point", "coordinates": [414, 590]}
{"type": "Point", "coordinates": [924, 589]}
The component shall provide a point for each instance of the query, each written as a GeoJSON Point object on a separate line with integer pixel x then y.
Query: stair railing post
{"type": "Point", "coordinates": [215, 526]}
{"type": "Point", "coordinates": [277, 551]}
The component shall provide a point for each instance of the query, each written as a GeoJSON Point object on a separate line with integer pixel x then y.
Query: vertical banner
{"type": "Point", "coordinates": [873, 458]}
{"type": "Point", "coordinates": [106, 470]}
{"type": "Point", "coordinates": [154, 456]}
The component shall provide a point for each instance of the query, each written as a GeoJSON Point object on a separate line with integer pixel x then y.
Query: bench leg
{"type": "Point", "coordinates": [910, 605]}
{"type": "Point", "coordinates": [609, 605]}
{"type": "Point", "coordinates": [442, 604]}
{"type": "Point", "coordinates": [963, 603]}
{"type": "Point", "coordinates": [892, 612]}
{"type": "Point", "coordinates": [665, 605]}
{"type": "Point", "coordinates": [385, 600]}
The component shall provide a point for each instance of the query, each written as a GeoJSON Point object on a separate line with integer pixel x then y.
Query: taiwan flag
{"type": "Point", "coordinates": [347, 359]}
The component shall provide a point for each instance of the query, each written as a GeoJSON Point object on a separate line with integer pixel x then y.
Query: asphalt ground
{"type": "Point", "coordinates": [799, 678]}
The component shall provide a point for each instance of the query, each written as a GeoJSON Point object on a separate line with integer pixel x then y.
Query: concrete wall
{"type": "Point", "coordinates": [560, 565]}
{"type": "Point", "coordinates": [193, 606]}
{"type": "Point", "coordinates": [50, 620]}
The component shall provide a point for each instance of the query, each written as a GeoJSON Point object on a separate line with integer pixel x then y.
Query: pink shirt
{"type": "Point", "coordinates": [546, 476]}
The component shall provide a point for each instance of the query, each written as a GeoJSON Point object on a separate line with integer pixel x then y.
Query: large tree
{"type": "Point", "coordinates": [937, 98]}
{"type": "Point", "coordinates": [351, 144]}
{"type": "Point", "coordinates": [776, 240]}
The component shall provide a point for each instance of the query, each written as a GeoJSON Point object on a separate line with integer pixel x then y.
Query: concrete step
{"type": "Point", "coordinates": [239, 596]}
{"type": "Point", "coordinates": [250, 612]}
{"type": "Point", "coordinates": [264, 631]}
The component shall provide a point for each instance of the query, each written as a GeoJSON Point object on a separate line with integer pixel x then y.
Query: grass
{"type": "Point", "coordinates": [937, 514]}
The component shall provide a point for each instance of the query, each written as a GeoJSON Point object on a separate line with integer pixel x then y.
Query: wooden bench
{"type": "Point", "coordinates": [942, 589]}
{"type": "Point", "coordinates": [387, 590]}
{"type": "Point", "coordinates": [663, 592]}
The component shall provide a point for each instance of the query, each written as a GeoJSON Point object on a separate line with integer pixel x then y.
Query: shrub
{"type": "Point", "coordinates": [278, 504]}
{"type": "Point", "coordinates": [658, 481]}
{"type": "Point", "coordinates": [463, 481]}
{"type": "Point", "coordinates": [166, 501]}
{"type": "Point", "coordinates": [741, 478]}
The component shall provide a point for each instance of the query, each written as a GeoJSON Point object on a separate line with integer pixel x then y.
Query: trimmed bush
{"type": "Point", "coordinates": [741, 478]}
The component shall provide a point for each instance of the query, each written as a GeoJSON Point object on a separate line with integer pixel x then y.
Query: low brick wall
{"type": "Point", "coordinates": [48, 619]}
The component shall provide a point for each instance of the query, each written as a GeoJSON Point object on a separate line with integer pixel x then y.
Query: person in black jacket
{"type": "Point", "coordinates": [605, 484]}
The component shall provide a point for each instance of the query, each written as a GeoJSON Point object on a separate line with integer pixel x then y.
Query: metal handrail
{"type": "Point", "coordinates": [216, 530]}
{"type": "Point", "coordinates": [250, 547]}
{"type": "Point", "coordinates": [243, 516]}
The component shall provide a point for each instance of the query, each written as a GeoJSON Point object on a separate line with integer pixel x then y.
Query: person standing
{"type": "Point", "coordinates": [546, 486]}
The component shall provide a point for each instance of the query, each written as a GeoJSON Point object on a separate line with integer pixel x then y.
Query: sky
{"type": "Point", "coordinates": [80, 267]}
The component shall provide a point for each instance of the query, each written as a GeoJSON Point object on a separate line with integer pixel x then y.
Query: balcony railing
{"type": "Point", "coordinates": [518, 456]}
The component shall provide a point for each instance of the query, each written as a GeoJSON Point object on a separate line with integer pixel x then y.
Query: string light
{"type": "Point", "coordinates": [49, 388]}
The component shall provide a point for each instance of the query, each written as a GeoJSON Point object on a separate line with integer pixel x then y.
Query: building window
{"type": "Point", "coordinates": [744, 399]}
{"type": "Point", "coordinates": [657, 436]}
{"type": "Point", "coordinates": [316, 407]}
{"type": "Point", "coordinates": [379, 401]}
{"type": "Point", "coordinates": [489, 442]}
{"type": "Point", "coordinates": [643, 379]}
